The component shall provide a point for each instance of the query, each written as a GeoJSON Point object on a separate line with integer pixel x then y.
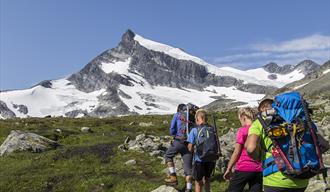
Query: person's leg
{"type": "Point", "coordinates": [169, 155]}
{"type": "Point", "coordinates": [198, 186]}
{"type": "Point", "coordinates": [187, 165]}
{"type": "Point", "coordinates": [255, 182]}
{"type": "Point", "coordinates": [207, 185]}
{"type": "Point", "coordinates": [188, 183]}
{"type": "Point", "coordinates": [238, 181]}
{"type": "Point", "coordinates": [198, 174]}
{"type": "Point", "coordinates": [208, 168]}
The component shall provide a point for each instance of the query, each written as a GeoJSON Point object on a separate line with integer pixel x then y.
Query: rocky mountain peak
{"type": "Point", "coordinates": [307, 66]}
{"type": "Point", "coordinates": [275, 68]}
{"type": "Point", "coordinates": [128, 36]}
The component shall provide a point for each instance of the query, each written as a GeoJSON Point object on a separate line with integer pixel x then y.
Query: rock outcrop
{"type": "Point", "coordinates": [165, 188]}
{"type": "Point", "coordinates": [5, 112]}
{"type": "Point", "coordinates": [24, 141]}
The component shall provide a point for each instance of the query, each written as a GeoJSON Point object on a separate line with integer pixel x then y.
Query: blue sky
{"type": "Point", "coordinates": [48, 39]}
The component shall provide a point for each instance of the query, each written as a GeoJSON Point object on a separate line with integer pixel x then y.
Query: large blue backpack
{"type": "Point", "coordinates": [295, 148]}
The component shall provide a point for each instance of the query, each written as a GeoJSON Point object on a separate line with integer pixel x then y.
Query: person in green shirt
{"type": "Point", "coordinates": [258, 146]}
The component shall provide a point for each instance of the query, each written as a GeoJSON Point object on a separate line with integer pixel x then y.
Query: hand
{"type": "Point", "coordinates": [226, 175]}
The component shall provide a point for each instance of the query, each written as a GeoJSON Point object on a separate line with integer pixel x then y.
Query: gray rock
{"type": "Point", "coordinates": [327, 107]}
{"type": "Point", "coordinates": [5, 112]}
{"type": "Point", "coordinates": [127, 140]}
{"type": "Point", "coordinates": [227, 144]}
{"type": "Point", "coordinates": [132, 123]}
{"type": "Point", "coordinates": [143, 124]}
{"type": "Point", "coordinates": [223, 120]}
{"type": "Point", "coordinates": [76, 113]}
{"type": "Point", "coordinates": [25, 141]}
{"type": "Point", "coordinates": [165, 188]}
{"type": "Point", "coordinates": [86, 130]}
{"type": "Point", "coordinates": [58, 131]}
{"type": "Point", "coordinates": [21, 108]}
{"type": "Point", "coordinates": [272, 76]}
{"type": "Point", "coordinates": [46, 84]}
{"type": "Point", "coordinates": [140, 137]}
{"type": "Point", "coordinates": [130, 162]}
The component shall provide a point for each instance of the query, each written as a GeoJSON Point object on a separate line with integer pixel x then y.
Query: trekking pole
{"type": "Point", "coordinates": [216, 133]}
{"type": "Point", "coordinates": [313, 134]}
{"type": "Point", "coordinates": [325, 175]}
{"type": "Point", "coordinates": [187, 121]}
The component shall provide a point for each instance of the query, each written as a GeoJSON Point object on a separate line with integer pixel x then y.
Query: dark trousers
{"type": "Point", "coordinates": [180, 147]}
{"type": "Point", "coordinates": [240, 179]}
{"type": "Point", "coordinates": [280, 189]}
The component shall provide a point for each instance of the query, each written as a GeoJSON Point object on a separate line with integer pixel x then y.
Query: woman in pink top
{"type": "Point", "coordinates": [247, 170]}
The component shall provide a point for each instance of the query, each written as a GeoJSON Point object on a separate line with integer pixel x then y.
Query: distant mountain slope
{"type": "Point", "coordinates": [314, 83]}
{"type": "Point", "coordinates": [141, 76]}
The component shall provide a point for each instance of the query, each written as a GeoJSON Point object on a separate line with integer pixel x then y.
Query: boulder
{"type": "Point", "coordinates": [25, 141]}
{"type": "Point", "coordinates": [130, 162]}
{"type": "Point", "coordinates": [227, 144]}
{"type": "Point", "coordinates": [86, 130]}
{"type": "Point", "coordinates": [165, 188]}
{"type": "Point", "coordinates": [143, 124]}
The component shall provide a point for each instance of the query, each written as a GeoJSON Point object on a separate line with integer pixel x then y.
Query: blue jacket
{"type": "Point", "coordinates": [178, 127]}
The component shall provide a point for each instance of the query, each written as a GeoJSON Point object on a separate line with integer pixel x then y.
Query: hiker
{"type": "Point", "coordinates": [179, 129]}
{"type": "Point", "coordinates": [247, 170]}
{"type": "Point", "coordinates": [283, 137]}
{"type": "Point", "coordinates": [203, 141]}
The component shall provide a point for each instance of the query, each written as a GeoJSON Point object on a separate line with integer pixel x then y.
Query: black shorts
{"type": "Point", "coordinates": [240, 179]}
{"type": "Point", "coordinates": [203, 169]}
{"type": "Point", "coordinates": [280, 189]}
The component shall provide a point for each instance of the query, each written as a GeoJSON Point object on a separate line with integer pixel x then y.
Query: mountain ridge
{"type": "Point", "coordinates": [140, 76]}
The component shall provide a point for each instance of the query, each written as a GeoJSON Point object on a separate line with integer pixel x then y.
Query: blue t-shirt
{"type": "Point", "coordinates": [192, 137]}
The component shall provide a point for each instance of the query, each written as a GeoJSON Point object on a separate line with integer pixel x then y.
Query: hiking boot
{"type": "Point", "coordinates": [171, 180]}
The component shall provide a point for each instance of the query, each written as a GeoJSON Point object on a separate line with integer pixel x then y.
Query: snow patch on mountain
{"type": "Point", "coordinates": [147, 99]}
{"type": "Point", "coordinates": [120, 67]}
{"type": "Point", "coordinates": [262, 74]}
{"type": "Point", "coordinates": [62, 97]}
{"type": "Point", "coordinates": [326, 71]}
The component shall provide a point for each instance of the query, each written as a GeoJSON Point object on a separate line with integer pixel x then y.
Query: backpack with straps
{"type": "Point", "coordinates": [295, 148]}
{"type": "Point", "coordinates": [187, 117]}
{"type": "Point", "coordinates": [207, 148]}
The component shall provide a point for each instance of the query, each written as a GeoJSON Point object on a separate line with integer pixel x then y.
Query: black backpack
{"type": "Point", "coordinates": [207, 147]}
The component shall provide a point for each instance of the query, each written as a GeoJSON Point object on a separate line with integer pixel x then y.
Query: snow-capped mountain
{"type": "Point", "coordinates": [315, 83]}
{"type": "Point", "coordinates": [141, 76]}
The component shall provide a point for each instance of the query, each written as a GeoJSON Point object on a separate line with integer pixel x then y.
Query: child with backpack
{"type": "Point", "coordinates": [247, 170]}
{"type": "Point", "coordinates": [203, 141]}
{"type": "Point", "coordinates": [284, 137]}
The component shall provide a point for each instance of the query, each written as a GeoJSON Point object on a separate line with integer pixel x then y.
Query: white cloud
{"type": "Point", "coordinates": [313, 42]}
{"type": "Point", "coordinates": [315, 47]}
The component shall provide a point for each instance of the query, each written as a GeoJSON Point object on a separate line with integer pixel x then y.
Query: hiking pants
{"type": "Point", "coordinates": [179, 146]}
{"type": "Point", "coordinates": [240, 179]}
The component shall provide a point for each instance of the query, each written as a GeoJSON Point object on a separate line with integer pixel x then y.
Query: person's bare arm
{"type": "Point", "coordinates": [190, 147]}
{"type": "Point", "coordinates": [234, 158]}
{"type": "Point", "coordinates": [252, 146]}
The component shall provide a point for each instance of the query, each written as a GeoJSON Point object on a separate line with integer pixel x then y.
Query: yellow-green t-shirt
{"type": "Point", "coordinates": [276, 179]}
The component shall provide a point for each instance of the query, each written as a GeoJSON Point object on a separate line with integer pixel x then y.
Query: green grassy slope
{"type": "Point", "coordinates": [89, 161]}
